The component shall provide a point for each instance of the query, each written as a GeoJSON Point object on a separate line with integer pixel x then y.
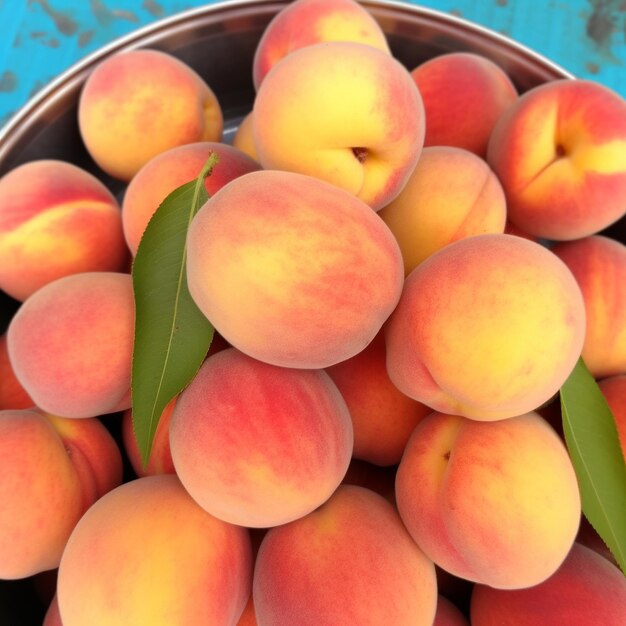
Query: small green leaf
{"type": "Point", "coordinates": [593, 444]}
{"type": "Point", "coordinates": [172, 336]}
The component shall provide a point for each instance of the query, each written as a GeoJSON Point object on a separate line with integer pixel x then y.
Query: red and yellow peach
{"type": "Point", "coordinates": [139, 103]}
{"type": "Point", "coordinates": [299, 273]}
{"type": "Point", "coordinates": [464, 95]}
{"type": "Point", "coordinates": [259, 445]}
{"type": "Point", "coordinates": [501, 337]}
{"type": "Point", "coordinates": [598, 264]}
{"type": "Point", "coordinates": [560, 154]}
{"type": "Point", "coordinates": [71, 344]}
{"type": "Point", "coordinates": [305, 22]}
{"type": "Point", "coordinates": [244, 138]}
{"type": "Point", "coordinates": [383, 418]}
{"type": "Point", "coordinates": [331, 567]}
{"type": "Point", "coordinates": [451, 194]}
{"type": "Point", "coordinates": [168, 171]}
{"type": "Point", "coordinates": [183, 567]}
{"type": "Point", "coordinates": [343, 112]}
{"type": "Point", "coordinates": [56, 219]}
{"type": "Point", "coordinates": [495, 503]}
{"type": "Point", "coordinates": [586, 589]}
{"type": "Point", "coordinates": [52, 470]}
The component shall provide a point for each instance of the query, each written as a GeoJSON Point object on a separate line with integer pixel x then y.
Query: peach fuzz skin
{"type": "Point", "coordinates": [343, 112]}
{"type": "Point", "coordinates": [331, 567]}
{"type": "Point", "coordinates": [56, 219]}
{"type": "Point", "coordinates": [299, 273]}
{"type": "Point", "coordinates": [451, 194]}
{"type": "Point", "coordinates": [306, 22]}
{"type": "Point", "coordinates": [464, 95]}
{"type": "Point", "coordinates": [495, 503]}
{"type": "Point", "coordinates": [383, 417]}
{"type": "Point", "coordinates": [53, 469]}
{"type": "Point", "coordinates": [125, 120]}
{"type": "Point", "coordinates": [183, 567]}
{"type": "Point", "coordinates": [599, 265]}
{"type": "Point", "coordinates": [587, 589]}
{"type": "Point", "coordinates": [259, 445]}
{"type": "Point", "coordinates": [12, 394]}
{"type": "Point", "coordinates": [70, 344]}
{"type": "Point", "coordinates": [502, 337]}
{"type": "Point", "coordinates": [560, 154]}
{"type": "Point", "coordinates": [244, 138]}
{"type": "Point", "coordinates": [171, 169]}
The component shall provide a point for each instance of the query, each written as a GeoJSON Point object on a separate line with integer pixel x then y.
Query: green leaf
{"type": "Point", "coordinates": [593, 444]}
{"type": "Point", "coordinates": [172, 336]}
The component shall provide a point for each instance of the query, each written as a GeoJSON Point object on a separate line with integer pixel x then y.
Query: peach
{"type": "Point", "coordinates": [448, 614]}
{"type": "Point", "coordinates": [614, 390]}
{"type": "Point", "coordinates": [560, 154]}
{"type": "Point", "coordinates": [244, 138]}
{"type": "Point", "coordinates": [586, 589]}
{"type": "Point", "coordinates": [492, 502]}
{"type": "Point", "coordinates": [71, 343]}
{"type": "Point", "coordinates": [171, 169]}
{"type": "Point", "coordinates": [343, 112]}
{"type": "Point", "coordinates": [12, 394]}
{"type": "Point", "coordinates": [451, 194]}
{"type": "Point", "coordinates": [383, 418]}
{"type": "Point", "coordinates": [259, 445]}
{"type": "Point", "coordinates": [464, 95]}
{"type": "Point", "coordinates": [52, 470]}
{"type": "Point", "coordinates": [160, 461]}
{"type": "Point", "coordinates": [298, 273]}
{"type": "Point", "coordinates": [306, 22]}
{"type": "Point", "coordinates": [498, 340]}
{"type": "Point", "coordinates": [139, 103]}
{"type": "Point", "coordinates": [146, 553]}
{"type": "Point", "coordinates": [349, 562]}
{"type": "Point", "coordinates": [56, 219]}
{"type": "Point", "coordinates": [599, 266]}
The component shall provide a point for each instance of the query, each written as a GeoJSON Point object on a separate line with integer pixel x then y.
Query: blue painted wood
{"type": "Point", "coordinates": [42, 38]}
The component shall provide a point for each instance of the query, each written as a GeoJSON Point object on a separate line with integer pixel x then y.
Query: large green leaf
{"type": "Point", "coordinates": [593, 443]}
{"type": "Point", "coordinates": [172, 336]}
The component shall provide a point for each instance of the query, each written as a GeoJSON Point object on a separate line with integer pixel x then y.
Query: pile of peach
{"type": "Point", "coordinates": [403, 266]}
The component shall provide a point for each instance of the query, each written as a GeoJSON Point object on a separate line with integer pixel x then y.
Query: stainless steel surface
{"type": "Point", "coordinates": [218, 41]}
